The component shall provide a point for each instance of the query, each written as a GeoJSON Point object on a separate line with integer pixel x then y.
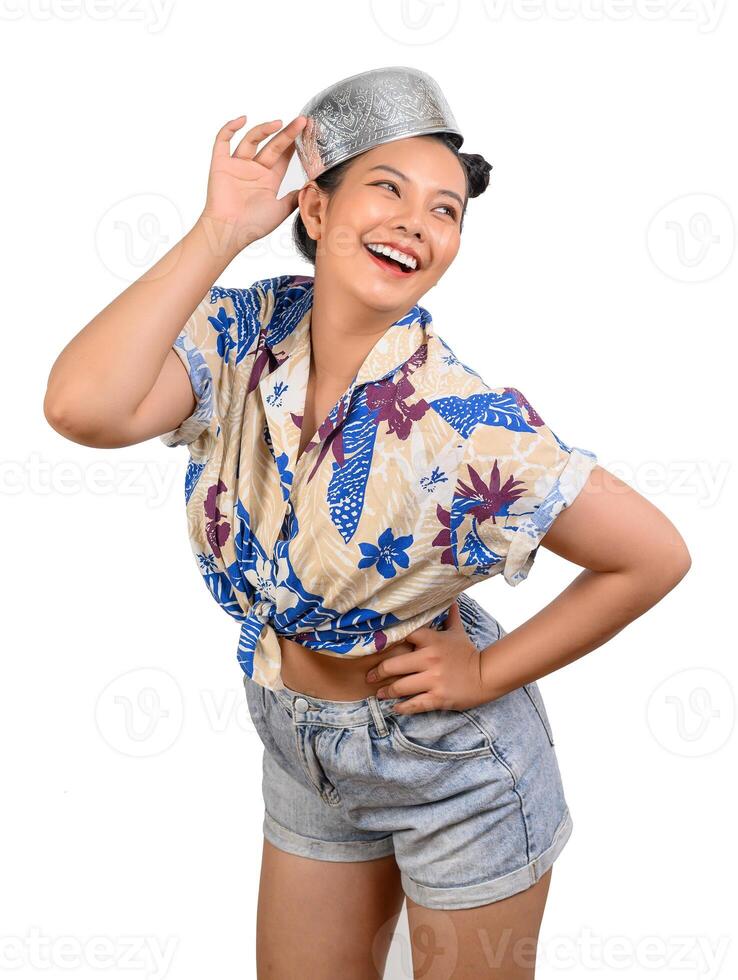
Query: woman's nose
{"type": "Point", "coordinates": [414, 228]}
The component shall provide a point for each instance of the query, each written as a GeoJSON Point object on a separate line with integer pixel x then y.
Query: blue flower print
{"type": "Point", "coordinates": [222, 323]}
{"type": "Point", "coordinates": [192, 475]}
{"type": "Point", "coordinates": [430, 482]}
{"type": "Point", "coordinates": [391, 552]}
{"type": "Point", "coordinates": [275, 398]}
{"type": "Point", "coordinates": [285, 473]}
{"type": "Point", "coordinates": [207, 563]}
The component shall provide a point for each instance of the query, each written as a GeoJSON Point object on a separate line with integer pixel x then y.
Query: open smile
{"type": "Point", "coordinates": [389, 265]}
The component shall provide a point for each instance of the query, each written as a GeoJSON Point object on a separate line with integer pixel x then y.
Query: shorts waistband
{"type": "Point", "coordinates": [344, 714]}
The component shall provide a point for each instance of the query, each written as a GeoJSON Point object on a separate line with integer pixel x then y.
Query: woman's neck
{"type": "Point", "coordinates": [342, 332]}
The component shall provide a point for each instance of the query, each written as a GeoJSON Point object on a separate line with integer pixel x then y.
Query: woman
{"type": "Point", "coordinates": [406, 759]}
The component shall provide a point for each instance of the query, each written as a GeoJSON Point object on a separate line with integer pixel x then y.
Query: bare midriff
{"type": "Point", "coordinates": [333, 678]}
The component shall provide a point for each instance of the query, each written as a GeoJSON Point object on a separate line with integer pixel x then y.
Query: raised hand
{"type": "Point", "coordinates": [242, 186]}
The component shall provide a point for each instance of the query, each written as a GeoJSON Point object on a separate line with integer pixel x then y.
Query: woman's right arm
{"type": "Point", "coordinates": [118, 381]}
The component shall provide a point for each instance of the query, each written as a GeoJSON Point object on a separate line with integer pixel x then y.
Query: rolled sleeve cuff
{"type": "Point", "coordinates": [532, 527]}
{"type": "Point", "coordinates": [201, 380]}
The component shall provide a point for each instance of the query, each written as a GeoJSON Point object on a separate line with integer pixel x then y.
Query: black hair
{"type": "Point", "coordinates": [476, 170]}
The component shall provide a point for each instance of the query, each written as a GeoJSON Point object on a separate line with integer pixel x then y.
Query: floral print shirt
{"type": "Point", "coordinates": [421, 481]}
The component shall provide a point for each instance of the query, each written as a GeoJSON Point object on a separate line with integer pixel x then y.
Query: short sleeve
{"type": "Point", "coordinates": [212, 345]}
{"type": "Point", "coordinates": [515, 478]}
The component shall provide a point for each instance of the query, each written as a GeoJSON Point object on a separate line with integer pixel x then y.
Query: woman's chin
{"type": "Point", "coordinates": [380, 292]}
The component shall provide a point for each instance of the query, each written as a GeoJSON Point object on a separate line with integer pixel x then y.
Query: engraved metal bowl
{"type": "Point", "coordinates": [368, 109]}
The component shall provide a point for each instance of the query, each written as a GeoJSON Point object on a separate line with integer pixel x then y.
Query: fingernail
{"type": "Point", "coordinates": [371, 676]}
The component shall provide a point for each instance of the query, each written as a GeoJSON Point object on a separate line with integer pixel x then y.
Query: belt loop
{"type": "Point", "coordinates": [379, 723]}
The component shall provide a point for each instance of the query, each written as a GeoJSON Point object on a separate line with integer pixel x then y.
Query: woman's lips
{"type": "Point", "coordinates": [393, 270]}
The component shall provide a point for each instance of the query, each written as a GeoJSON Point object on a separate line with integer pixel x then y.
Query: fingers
{"type": "Point", "coordinates": [404, 687]}
{"type": "Point", "coordinates": [274, 155]}
{"type": "Point", "coordinates": [222, 146]}
{"type": "Point", "coordinates": [246, 149]}
{"type": "Point", "coordinates": [400, 663]}
{"type": "Point", "coordinates": [289, 202]}
{"type": "Point", "coordinates": [421, 634]}
{"type": "Point", "coordinates": [277, 152]}
{"type": "Point", "coordinates": [279, 167]}
{"type": "Point", "coordinates": [454, 615]}
{"type": "Point", "coordinates": [415, 706]}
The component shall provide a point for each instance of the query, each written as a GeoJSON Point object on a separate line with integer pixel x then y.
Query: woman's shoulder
{"type": "Point", "coordinates": [453, 381]}
{"type": "Point", "coordinates": [277, 290]}
{"type": "Point", "coordinates": [478, 411]}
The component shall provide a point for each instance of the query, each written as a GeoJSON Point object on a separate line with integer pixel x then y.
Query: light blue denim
{"type": "Point", "coordinates": [470, 802]}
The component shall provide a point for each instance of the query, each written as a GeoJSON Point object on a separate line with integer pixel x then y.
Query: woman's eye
{"type": "Point", "coordinates": [388, 183]}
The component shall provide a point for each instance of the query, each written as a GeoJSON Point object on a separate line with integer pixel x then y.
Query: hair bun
{"type": "Point", "coordinates": [478, 171]}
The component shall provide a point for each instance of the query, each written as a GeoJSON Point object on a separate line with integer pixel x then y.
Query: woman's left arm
{"type": "Point", "coordinates": [632, 557]}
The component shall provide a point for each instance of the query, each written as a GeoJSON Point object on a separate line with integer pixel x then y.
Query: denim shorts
{"type": "Point", "coordinates": [469, 802]}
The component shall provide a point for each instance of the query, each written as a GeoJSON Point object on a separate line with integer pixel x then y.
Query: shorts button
{"type": "Point", "coordinates": [301, 704]}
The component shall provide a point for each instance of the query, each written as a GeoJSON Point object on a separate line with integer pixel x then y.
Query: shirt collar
{"type": "Point", "coordinates": [288, 333]}
{"type": "Point", "coordinates": [282, 366]}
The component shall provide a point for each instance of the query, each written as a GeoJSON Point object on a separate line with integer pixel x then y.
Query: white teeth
{"type": "Point", "coordinates": [407, 260]}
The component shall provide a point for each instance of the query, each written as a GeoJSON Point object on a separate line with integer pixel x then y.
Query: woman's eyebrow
{"type": "Point", "coordinates": [402, 176]}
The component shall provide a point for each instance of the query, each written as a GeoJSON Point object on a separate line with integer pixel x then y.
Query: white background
{"type": "Point", "coordinates": [597, 274]}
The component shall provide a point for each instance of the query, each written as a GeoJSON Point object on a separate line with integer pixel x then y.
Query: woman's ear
{"type": "Point", "coordinates": [311, 204]}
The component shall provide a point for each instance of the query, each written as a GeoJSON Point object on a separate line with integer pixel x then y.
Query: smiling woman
{"type": "Point", "coordinates": [474, 172]}
{"type": "Point", "coordinates": [348, 479]}
{"type": "Point", "coordinates": [381, 228]}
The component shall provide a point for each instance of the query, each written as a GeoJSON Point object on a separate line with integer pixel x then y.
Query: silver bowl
{"type": "Point", "coordinates": [368, 109]}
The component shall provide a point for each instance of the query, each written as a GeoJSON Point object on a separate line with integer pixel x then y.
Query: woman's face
{"type": "Point", "coordinates": [408, 194]}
